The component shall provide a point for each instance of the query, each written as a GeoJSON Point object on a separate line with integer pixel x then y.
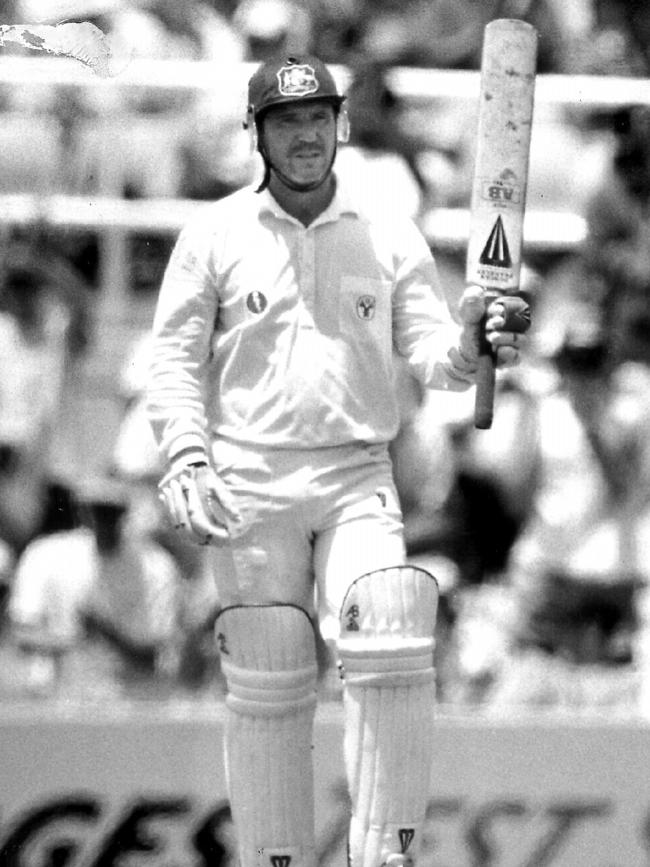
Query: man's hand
{"type": "Point", "coordinates": [507, 318]}
{"type": "Point", "coordinates": [199, 503]}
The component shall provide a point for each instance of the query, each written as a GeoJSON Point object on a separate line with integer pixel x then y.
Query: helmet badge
{"type": "Point", "coordinates": [297, 80]}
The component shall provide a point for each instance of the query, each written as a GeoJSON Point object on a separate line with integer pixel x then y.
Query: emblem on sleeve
{"type": "Point", "coordinates": [256, 302]}
{"type": "Point", "coordinates": [366, 306]}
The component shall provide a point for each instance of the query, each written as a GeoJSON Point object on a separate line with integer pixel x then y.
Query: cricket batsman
{"type": "Point", "coordinates": [272, 398]}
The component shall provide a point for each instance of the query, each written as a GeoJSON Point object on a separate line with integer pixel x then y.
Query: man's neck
{"type": "Point", "coordinates": [306, 206]}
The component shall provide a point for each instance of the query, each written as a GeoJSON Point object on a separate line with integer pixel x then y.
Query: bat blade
{"type": "Point", "coordinates": [505, 116]}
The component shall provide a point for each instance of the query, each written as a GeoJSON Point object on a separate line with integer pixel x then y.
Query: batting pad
{"type": "Point", "coordinates": [386, 653]}
{"type": "Point", "coordinates": [268, 657]}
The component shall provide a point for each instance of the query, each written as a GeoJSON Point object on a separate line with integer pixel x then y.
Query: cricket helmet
{"type": "Point", "coordinates": [293, 79]}
{"type": "Point", "coordinates": [290, 79]}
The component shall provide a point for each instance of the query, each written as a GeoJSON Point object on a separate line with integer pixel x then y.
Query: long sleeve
{"type": "Point", "coordinates": [423, 329]}
{"type": "Point", "coordinates": [182, 332]}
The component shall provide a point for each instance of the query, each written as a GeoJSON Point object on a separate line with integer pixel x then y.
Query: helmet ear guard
{"type": "Point", "coordinates": [250, 126]}
{"type": "Point", "coordinates": [343, 126]}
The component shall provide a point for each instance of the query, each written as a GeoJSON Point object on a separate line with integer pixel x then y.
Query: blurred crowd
{"type": "Point", "coordinates": [538, 530]}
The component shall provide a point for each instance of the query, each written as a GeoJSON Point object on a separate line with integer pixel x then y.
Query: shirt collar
{"type": "Point", "coordinates": [342, 203]}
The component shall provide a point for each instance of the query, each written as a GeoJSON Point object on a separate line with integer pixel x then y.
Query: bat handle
{"type": "Point", "coordinates": [485, 379]}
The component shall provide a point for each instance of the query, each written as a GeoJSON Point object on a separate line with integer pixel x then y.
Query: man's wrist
{"type": "Point", "coordinates": [188, 457]}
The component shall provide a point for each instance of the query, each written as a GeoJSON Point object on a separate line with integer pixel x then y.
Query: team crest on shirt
{"type": "Point", "coordinates": [256, 302]}
{"type": "Point", "coordinates": [297, 80]}
{"type": "Point", "coordinates": [366, 306]}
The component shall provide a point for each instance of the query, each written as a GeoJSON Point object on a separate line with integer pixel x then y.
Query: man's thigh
{"type": "Point", "coordinates": [327, 516]}
{"type": "Point", "coordinates": [270, 562]}
{"type": "Point", "coordinates": [372, 540]}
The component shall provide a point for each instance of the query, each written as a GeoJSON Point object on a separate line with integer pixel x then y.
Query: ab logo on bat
{"type": "Point", "coordinates": [503, 190]}
{"type": "Point", "coordinates": [501, 194]}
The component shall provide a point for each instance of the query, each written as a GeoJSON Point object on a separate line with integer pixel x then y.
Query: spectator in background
{"type": "Point", "coordinates": [136, 461]}
{"type": "Point", "coordinates": [271, 28]}
{"type": "Point", "coordinates": [8, 11]}
{"type": "Point", "coordinates": [382, 157]}
{"type": "Point", "coordinates": [577, 589]}
{"type": "Point", "coordinates": [412, 156]}
{"type": "Point", "coordinates": [440, 34]}
{"type": "Point", "coordinates": [104, 585]}
{"type": "Point", "coordinates": [443, 34]}
{"type": "Point", "coordinates": [576, 569]}
{"type": "Point", "coordinates": [605, 37]}
{"type": "Point", "coordinates": [43, 329]}
{"type": "Point", "coordinates": [617, 210]}
{"type": "Point", "coordinates": [135, 454]}
{"type": "Point", "coordinates": [465, 496]}
{"type": "Point", "coordinates": [466, 493]}
{"type": "Point", "coordinates": [7, 563]}
{"type": "Point", "coordinates": [213, 150]}
{"type": "Point", "coordinates": [196, 30]}
{"type": "Point", "coordinates": [145, 156]}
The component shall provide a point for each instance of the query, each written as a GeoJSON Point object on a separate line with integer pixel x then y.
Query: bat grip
{"type": "Point", "coordinates": [485, 381]}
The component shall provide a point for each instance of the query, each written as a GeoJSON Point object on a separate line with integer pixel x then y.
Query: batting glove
{"type": "Point", "coordinates": [505, 319]}
{"type": "Point", "coordinates": [198, 502]}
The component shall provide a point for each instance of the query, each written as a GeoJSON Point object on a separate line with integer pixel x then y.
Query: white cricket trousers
{"type": "Point", "coordinates": [313, 521]}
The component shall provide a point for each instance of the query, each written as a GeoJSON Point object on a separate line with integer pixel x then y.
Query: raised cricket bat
{"type": "Point", "coordinates": [505, 116]}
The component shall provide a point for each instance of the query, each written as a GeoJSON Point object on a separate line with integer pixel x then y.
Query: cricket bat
{"type": "Point", "coordinates": [498, 200]}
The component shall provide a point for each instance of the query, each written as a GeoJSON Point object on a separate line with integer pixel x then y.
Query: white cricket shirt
{"type": "Point", "coordinates": [272, 334]}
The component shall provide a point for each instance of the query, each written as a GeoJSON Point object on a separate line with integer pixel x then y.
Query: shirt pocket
{"type": "Point", "coordinates": [365, 313]}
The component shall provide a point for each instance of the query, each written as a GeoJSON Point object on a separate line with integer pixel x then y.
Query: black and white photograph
{"type": "Point", "coordinates": [324, 433]}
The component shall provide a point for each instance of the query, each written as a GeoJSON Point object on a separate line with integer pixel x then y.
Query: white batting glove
{"type": "Point", "coordinates": [199, 503]}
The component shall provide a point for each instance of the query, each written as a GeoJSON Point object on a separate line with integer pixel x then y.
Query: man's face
{"type": "Point", "coordinates": [300, 140]}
